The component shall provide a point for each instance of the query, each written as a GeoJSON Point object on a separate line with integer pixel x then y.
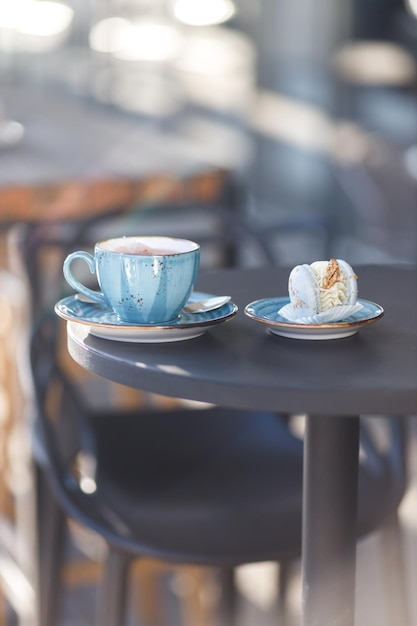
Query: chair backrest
{"type": "Point", "coordinates": [65, 436]}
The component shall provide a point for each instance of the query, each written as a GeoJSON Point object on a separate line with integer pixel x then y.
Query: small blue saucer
{"type": "Point", "coordinates": [104, 323]}
{"type": "Point", "coordinates": [266, 312]}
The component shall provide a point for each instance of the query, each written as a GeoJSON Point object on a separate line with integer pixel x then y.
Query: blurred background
{"type": "Point", "coordinates": [286, 131]}
{"type": "Point", "coordinates": [310, 108]}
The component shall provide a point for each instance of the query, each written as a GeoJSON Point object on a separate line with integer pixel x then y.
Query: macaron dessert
{"type": "Point", "coordinates": [321, 286]}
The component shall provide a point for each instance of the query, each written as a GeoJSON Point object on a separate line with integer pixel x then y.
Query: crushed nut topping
{"type": "Point", "coordinates": [332, 275]}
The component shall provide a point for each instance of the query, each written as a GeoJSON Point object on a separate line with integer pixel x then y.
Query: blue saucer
{"type": "Point", "coordinates": [103, 322]}
{"type": "Point", "coordinates": [266, 310]}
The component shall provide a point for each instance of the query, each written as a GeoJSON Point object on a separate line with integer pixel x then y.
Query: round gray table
{"type": "Point", "coordinates": [240, 364]}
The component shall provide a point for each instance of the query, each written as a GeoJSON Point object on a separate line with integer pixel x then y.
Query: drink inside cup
{"type": "Point", "coordinates": [148, 246]}
{"type": "Point", "coordinates": [145, 280]}
{"type": "Point", "coordinates": [143, 250]}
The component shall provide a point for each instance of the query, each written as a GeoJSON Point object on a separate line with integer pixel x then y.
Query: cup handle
{"type": "Point", "coordinates": [96, 296]}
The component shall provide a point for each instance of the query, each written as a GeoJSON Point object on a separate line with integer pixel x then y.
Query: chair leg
{"type": "Point", "coordinates": [229, 596]}
{"type": "Point", "coordinates": [111, 607]}
{"type": "Point", "coordinates": [284, 583]}
{"type": "Point", "coordinates": [52, 525]}
{"type": "Point", "coordinates": [395, 591]}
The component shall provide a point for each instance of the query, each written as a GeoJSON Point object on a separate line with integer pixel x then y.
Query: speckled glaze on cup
{"type": "Point", "coordinates": [145, 280]}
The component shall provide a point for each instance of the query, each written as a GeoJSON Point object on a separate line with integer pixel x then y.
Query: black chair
{"type": "Point", "coordinates": [210, 486]}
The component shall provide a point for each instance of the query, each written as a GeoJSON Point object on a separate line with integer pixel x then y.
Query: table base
{"type": "Point", "coordinates": [331, 454]}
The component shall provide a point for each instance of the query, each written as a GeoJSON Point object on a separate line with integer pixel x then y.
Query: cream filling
{"type": "Point", "coordinates": [332, 296]}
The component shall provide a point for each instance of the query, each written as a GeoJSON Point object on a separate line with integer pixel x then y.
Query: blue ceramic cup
{"type": "Point", "coordinates": [145, 280]}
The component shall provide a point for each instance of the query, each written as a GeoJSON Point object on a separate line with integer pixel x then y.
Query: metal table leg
{"type": "Point", "coordinates": [331, 454]}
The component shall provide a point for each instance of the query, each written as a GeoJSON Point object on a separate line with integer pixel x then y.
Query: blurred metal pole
{"type": "Point", "coordinates": [331, 457]}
